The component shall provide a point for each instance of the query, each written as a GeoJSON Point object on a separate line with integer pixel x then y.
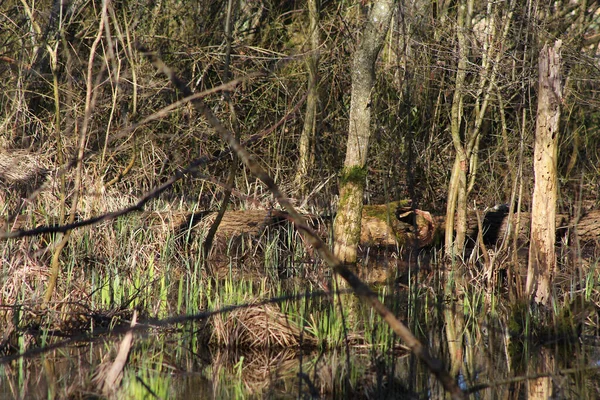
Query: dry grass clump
{"type": "Point", "coordinates": [21, 174]}
{"type": "Point", "coordinates": [20, 166]}
{"type": "Point", "coordinates": [23, 273]}
{"type": "Point", "coordinates": [257, 327]}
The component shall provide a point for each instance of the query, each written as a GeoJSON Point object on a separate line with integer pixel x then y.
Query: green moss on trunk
{"type": "Point", "coordinates": [355, 175]}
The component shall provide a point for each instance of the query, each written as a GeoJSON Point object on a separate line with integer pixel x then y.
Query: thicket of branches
{"type": "Point", "coordinates": [77, 95]}
{"type": "Point", "coordinates": [46, 70]}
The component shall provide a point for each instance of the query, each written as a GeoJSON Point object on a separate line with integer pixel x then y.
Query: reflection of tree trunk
{"type": "Point", "coordinates": [455, 326]}
{"type": "Point", "coordinates": [306, 147]}
{"type": "Point", "coordinates": [542, 257]}
{"type": "Point", "coordinates": [541, 388]}
{"type": "Point", "coordinates": [428, 383]}
{"type": "Point", "coordinates": [346, 227]}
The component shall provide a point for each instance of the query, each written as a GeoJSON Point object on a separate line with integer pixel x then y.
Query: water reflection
{"type": "Point", "coordinates": [366, 361]}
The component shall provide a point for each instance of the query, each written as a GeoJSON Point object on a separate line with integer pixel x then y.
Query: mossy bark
{"type": "Point", "coordinates": [347, 224]}
{"type": "Point", "coordinates": [346, 228]}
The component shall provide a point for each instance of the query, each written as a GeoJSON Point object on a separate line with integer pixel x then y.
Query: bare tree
{"type": "Point", "coordinates": [346, 227]}
{"type": "Point", "coordinates": [466, 139]}
{"type": "Point", "coordinates": [542, 258]}
{"type": "Point", "coordinates": [306, 146]}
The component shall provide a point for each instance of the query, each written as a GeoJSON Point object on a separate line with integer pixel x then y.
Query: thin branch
{"type": "Point", "coordinates": [360, 288]}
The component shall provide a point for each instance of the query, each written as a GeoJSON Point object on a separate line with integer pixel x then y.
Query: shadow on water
{"type": "Point", "coordinates": [327, 354]}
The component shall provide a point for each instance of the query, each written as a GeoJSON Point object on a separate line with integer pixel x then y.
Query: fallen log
{"type": "Point", "coordinates": [380, 224]}
{"type": "Point", "coordinates": [392, 224]}
{"type": "Point", "coordinates": [495, 226]}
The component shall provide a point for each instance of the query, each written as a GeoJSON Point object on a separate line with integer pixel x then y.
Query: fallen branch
{"type": "Point", "coordinates": [361, 289]}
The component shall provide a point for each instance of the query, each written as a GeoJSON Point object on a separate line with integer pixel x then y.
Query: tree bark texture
{"type": "Point", "coordinates": [542, 257]}
{"type": "Point", "coordinates": [456, 206]}
{"type": "Point", "coordinates": [541, 387]}
{"type": "Point", "coordinates": [346, 227]}
{"type": "Point", "coordinates": [306, 147]}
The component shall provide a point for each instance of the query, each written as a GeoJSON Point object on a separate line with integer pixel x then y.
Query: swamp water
{"type": "Point", "coordinates": [288, 339]}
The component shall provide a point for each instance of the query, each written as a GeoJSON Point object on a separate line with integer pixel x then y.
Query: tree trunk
{"type": "Point", "coordinates": [466, 134]}
{"type": "Point", "coordinates": [542, 258]}
{"type": "Point", "coordinates": [456, 207]}
{"type": "Point", "coordinates": [235, 126]}
{"type": "Point", "coordinates": [306, 147]}
{"type": "Point", "coordinates": [346, 227]}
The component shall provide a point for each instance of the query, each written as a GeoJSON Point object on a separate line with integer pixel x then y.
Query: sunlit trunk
{"type": "Point", "coordinates": [542, 256]}
{"type": "Point", "coordinates": [466, 132]}
{"type": "Point", "coordinates": [457, 188]}
{"type": "Point", "coordinates": [346, 227]}
{"type": "Point", "coordinates": [454, 326]}
{"type": "Point", "coordinates": [306, 147]}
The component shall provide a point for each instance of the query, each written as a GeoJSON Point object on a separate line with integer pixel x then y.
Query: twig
{"type": "Point", "coordinates": [360, 288]}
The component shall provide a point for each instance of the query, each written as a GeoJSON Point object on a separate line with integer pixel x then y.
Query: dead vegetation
{"type": "Point", "coordinates": [20, 167]}
{"type": "Point", "coordinates": [140, 134]}
{"type": "Point", "coordinates": [258, 327]}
